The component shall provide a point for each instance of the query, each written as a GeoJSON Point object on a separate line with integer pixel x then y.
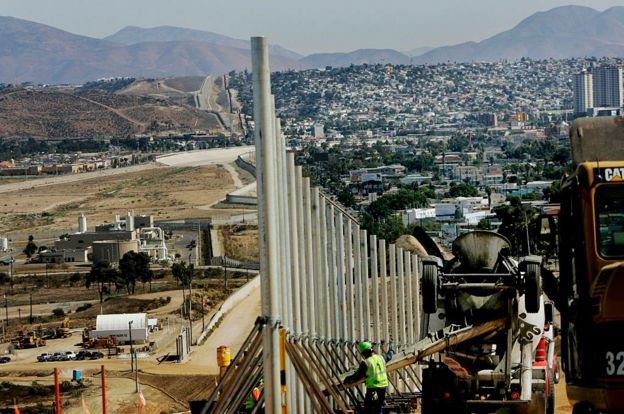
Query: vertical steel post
{"type": "Point", "coordinates": [349, 314]}
{"type": "Point", "coordinates": [316, 254]}
{"type": "Point", "coordinates": [309, 277]}
{"type": "Point", "coordinates": [394, 324]}
{"type": "Point", "coordinates": [416, 297]}
{"type": "Point", "coordinates": [282, 222]}
{"type": "Point", "coordinates": [332, 257]}
{"type": "Point", "coordinates": [303, 299]}
{"type": "Point", "coordinates": [324, 279]}
{"type": "Point", "coordinates": [401, 303]}
{"type": "Point", "coordinates": [409, 312]}
{"type": "Point", "coordinates": [374, 271]}
{"type": "Point", "coordinates": [383, 272]}
{"type": "Point", "coordinates": [267, 203]}
{"type": "Point", "coordinates": [57, 392]}
{"type": "Point", "coordinates": [103, 376]}
{"type": "Point", "coordinates": [295, 309]}
{"type": "Point", "coordinates": [365, 289]}
{"type": "Point", "coordinates": [359, 294]}
{"type": "Point", "coordinates": [342, 297]}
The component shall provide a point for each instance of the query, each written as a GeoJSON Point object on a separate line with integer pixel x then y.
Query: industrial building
{"type": "Point", "coordinates": [122, 326]}
{"type": "Point", "coordinates": [110, 241]}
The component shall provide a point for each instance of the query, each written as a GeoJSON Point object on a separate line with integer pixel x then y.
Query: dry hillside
{"type": "Point", "coordinates": [53, 113]}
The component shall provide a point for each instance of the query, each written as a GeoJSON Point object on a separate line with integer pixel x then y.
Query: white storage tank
{"type": "Point", "coordinates": [129, 222]}
{"type": "Point", "coordinates": [82, 223]}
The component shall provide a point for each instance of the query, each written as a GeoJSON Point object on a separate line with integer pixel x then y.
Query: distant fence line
{"type": "Point", "coordinates": [229, 262]}
{"type": "Point", "coordinates": [246, 165]}
{"type": "Point", "coordinates": [247, 218]}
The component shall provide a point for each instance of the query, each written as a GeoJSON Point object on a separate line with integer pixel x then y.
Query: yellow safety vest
{"type": "Point", "coordinates": [376, 372]}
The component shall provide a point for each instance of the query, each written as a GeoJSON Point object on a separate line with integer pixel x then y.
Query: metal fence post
{"type": "Point", "coordinates": [267, 202]}
{"type": "Point", "coordinates": [407, 262]}
{"type": "Point", "coordinates": [365, 287]}
{"type": "Point", "coordinates": [309, 275]}
{"type": "Point", "coordinates": [383, 272]}
{"type": "Point", "coordinates": [374, 272]}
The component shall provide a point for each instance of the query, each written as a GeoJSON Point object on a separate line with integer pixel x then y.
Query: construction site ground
{"type": "Point", "coordinates": [167, 386]}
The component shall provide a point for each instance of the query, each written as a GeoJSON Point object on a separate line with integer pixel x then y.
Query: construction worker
{"type": "Point", "coordinates": [373, 369]}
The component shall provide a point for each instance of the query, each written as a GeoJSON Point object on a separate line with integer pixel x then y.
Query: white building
{"type": "Point", "coordinates": [414, 215]}
{"type": "Point", "coordinates": [120, 325]}
{"type": "Point", "coordinates": [319, 131]}
{"type": "Point", "coordinates": [583, 92]}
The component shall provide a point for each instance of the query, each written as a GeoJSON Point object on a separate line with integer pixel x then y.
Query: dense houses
{"type": "Point", "coordinates": [372, 100]}
{"type": "Point", "coordinates": [59, 164]}
{"type": "Point", "coordinates": [500, 128]}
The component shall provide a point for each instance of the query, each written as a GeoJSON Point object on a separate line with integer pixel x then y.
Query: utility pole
{"type": "Point", "coordinates": [31, 315]}
{"type": "Point", "coordinates": [131, 348]}
{"type": "Point", "coordinates": [6, 310]}
{"type": "Point", "coordinates": [225, 286]}
{"type": "Point", "coordinates": [11, 260]}
{"type": "Point", "coordinates": [203, 321]}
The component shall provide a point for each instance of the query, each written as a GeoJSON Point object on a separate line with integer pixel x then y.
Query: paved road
{"type": "Point", "coordinates": [205, 157]}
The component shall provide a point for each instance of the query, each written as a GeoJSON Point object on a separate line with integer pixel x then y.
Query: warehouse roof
{"type": "Point", "coordinates": [120, 321]}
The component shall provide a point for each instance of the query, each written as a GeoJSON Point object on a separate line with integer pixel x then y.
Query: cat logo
{"type": "Point", "coordinates": [614, 174]}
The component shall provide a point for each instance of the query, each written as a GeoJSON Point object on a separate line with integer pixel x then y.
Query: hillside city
{"type": "Point", "coordinates": [461, 139]}
{"type": "Point", "coordinates": [414, 216]}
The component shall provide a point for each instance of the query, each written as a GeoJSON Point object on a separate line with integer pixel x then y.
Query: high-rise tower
{"type": "Point", "coordinates": [607, 84]}
{"type": "Point", "coordinates": [583, 92]}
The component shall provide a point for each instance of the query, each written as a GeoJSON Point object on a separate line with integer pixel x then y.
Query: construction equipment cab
{"type": "Point", "coordinates": [591, 285]}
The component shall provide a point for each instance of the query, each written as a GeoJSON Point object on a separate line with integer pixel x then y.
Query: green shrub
{"type": "Point", "coordinates": [65, 386]}
{"type": "Point", "coordinates": [83, 307]}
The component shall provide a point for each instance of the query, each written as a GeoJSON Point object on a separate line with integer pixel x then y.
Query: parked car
{"type": "Point", "coordinates": [97, 355]}
{"type": "Point", "coordinates": [70, 355]}
{"type": "Point", "coordinates": [58, 356]}
{"type": "Point", "coordinates": [44, 357]}
{"type": "Point", "coordinates": [82, 355]}
{"type": "Point", "coordinates": [5, 359]}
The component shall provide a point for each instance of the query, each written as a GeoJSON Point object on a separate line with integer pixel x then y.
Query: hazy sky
{"type": "Point", "coordinates": [305, 27]}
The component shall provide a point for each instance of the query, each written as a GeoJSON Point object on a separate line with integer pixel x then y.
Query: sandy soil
{"type": "Point", "coordinates": [166, 386]}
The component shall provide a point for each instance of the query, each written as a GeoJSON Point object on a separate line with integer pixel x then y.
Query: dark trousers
{"type": "Point", "coordinates": [374, 400]}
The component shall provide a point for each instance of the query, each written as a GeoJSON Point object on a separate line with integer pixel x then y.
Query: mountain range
{"type": "Point", "coordinates": [38, 53]}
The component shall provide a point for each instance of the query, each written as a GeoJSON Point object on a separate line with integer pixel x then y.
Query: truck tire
{"type": "Point", "coordinates": [557, 372]}
{"type": "Point", "coordinates": [430, 288]}
{"type": "Point", "coordinates": [532, 287]}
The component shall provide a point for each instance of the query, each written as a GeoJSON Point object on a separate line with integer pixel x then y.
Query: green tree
{"type": "Point", "coordinates": [101, 274]}
{"type": "Point", "coordinates": [516, 223]}
{"type": "Point", "coordinates": [134, 266]}
{"type": "Point", "coordinates": [462, 190]}
{"type": "Point", "coordinates": [31, 247]}
{"type": "Point", "coordinates": [184, 274]}
{"type": "Point", "coordinates": [74, 278]}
